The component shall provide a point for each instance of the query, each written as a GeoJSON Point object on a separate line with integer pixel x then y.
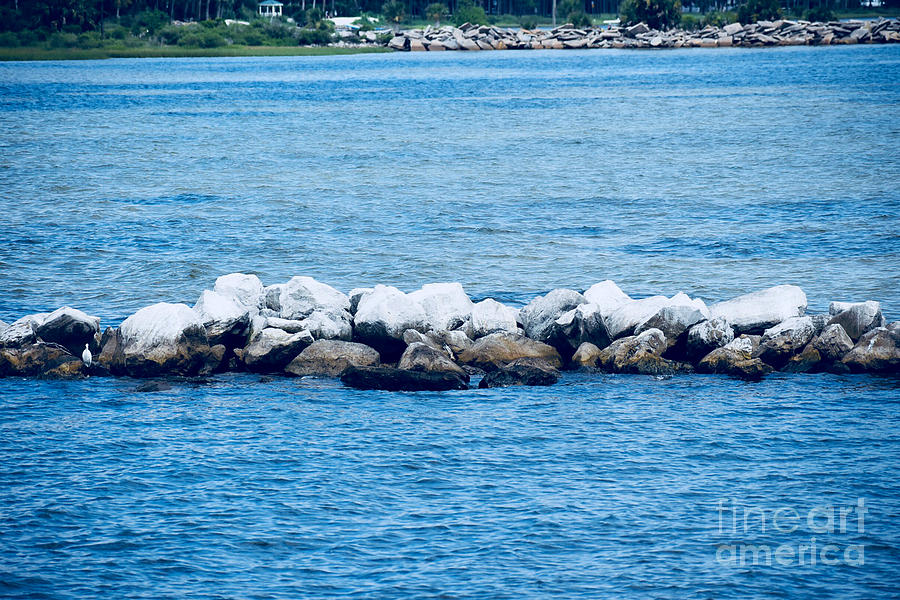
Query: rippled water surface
{"type": "Point", "coordinates": [127, 182]}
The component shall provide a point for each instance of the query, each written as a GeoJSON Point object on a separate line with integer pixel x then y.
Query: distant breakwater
{"type": "Point", "coordinates": [436, 338]}
{"type": "Point", "coordinates": [761, 34]}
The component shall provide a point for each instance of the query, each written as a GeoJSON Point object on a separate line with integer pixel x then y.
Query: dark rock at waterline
{"type": "Point", "coordinates": [640, 353]}
{"type": "Point", "coordinates": [330, 358]}
{"type": "Point", "coordinates": [780, 343]}
{"type": "Point", "coordinates": [40, 359]}
{"type": "Point", "coordinates": [399, 380]}
{"type": "Point", "coordinates": [735, 361]}
{"type": "Point", "coordinates": [420, 357]}
{"type": "Point", "coordinates": [524, 371]}
{"type": "Point", "coordinates": [272, 349]}
{"type": "Point", "coordinates": [809, 360]}
{"type": "Point", "coordinates": [877, 351]}
{"type": "Point", "coordinates": [152, 386]}
{"type": "Point", "coordinates": [68, 327]}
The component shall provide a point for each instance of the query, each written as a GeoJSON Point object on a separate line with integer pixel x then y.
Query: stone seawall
{"type": "Point", "coordinates": [436, 338]}
{"type": "Point", "coordinates": [763, 33]}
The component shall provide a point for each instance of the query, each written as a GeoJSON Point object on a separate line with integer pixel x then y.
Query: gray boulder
{"type": "Point", "coordinates": [524, 371]}
{"type": "Point", "coordinates": [68, 327]}
{"type": "Point", "coordinates": [857, 318]}
{"type": "Point", "coordinates": [782, 341]}
{"type": "Point", "coordinates": [498, 349]}
{"type": "Point", "coordinates": [833, 343]}
{"type": "Point", "coordinates": [581, 324]}
{"type": "Point", "coordinates": [539, 317]}
{"type": "Point", "coordinates": [877, 351]}
{"type": "Point", "coordinates": [272, 349]}
{"type": "Point", "coordinates": [331, 358]}
{"type": "Point", "coordinates": [623, 321]}
{"type": "Point", "coordinates": [706, 336]}
{"type": "Point", "coordinates": [758, 311]}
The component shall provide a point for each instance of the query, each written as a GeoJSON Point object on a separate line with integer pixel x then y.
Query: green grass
{"type": "Point", "coordinates": [40, 53]}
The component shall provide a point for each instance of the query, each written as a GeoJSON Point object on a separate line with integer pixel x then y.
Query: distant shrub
{"type": "Point", "coordinates": [314, 37]}
{"type": "Point", "coordinates": [171, 34]}
{"type": "Point", "coordinates": [63, 40]}
{"type": "Point", "coordinates": [759, 10]}
{"type": "Point", "coordinates": [149, 21]}
{"type": "Point", "coordinates": [436, 11]}
{"type": "Point", "coordinates": [821, 13]}
{"type": "Point", "coordinates": [467, 12]}
{"type": "Point", "coordinates": [690, 22]}
{"type": "Point", "coordinates": [528, 22]}
{"type": "Point", "coordinates": [201, 39]}
{"type": "Point", "coordinates": [8, 39]}
{"type": "Point", "coordinates": [116, 32]}
{"type": "Point", "coordinates": [719, 19]}
{"type": "Point", "coordinates": [384, 37]}
{"type": "Point", "coordinates": [394, 12]}
{"type": "Point", "coordinates": [89, 40]}
{"type": "Point", "coordinates": [657, 14]}
{"type": "Point", "coordinates": [579, 19]}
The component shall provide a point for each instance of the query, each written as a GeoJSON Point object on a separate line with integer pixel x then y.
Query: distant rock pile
{"type": "Point", "coordinates": [437, 338]}
{"type": "Point", "coordinates": [763, 33]}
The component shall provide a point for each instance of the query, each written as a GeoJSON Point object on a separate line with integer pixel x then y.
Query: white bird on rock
{"type": "Point", "coordinates": [86, 356]}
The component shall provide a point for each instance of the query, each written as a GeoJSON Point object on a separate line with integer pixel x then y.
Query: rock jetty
{"type": "Point", "coordinates": [437, 338]}
{"type": "Point", "coordinates": [754, 35]}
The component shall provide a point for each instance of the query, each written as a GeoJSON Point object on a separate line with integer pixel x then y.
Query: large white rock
{"type": "Point", "coordinates": [490, 316]}
{"type": "Point", "coordinates": [757, 311]}
{"type": "Point", "coordinates": [355, 295]}
{"type": "Point", "coordinates": [158, 326]}
{"type": "Point", "coordinates": [165, 339]}
{"type": "Point", "coordinates": [223, 317]}
{"type": "Point", "coordinates": [326, 325]}
{"type": "Point", "coordinates": [446, 305]}
{"type": "Point", "coordinates": [539, 316]}
{"type": "Point", "coordinates": [622, 321]}
{"type": "Point", "coordinates": [386, 312]}
{"type": "Point", "coordinates": [243, 289]}
{"type": "Point", "coordinates": [301, 296]}
{"type": "Point", "coordinates": [607, 296]}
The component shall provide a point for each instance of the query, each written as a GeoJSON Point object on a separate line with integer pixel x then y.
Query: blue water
{"type": "Point", "coordinates": [127, 182]}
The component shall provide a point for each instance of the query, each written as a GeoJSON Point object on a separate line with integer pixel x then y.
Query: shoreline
{"type": "Point", "coordinates": [477, 38]}
{"type": "Point", "coordinates": [38, 54]}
